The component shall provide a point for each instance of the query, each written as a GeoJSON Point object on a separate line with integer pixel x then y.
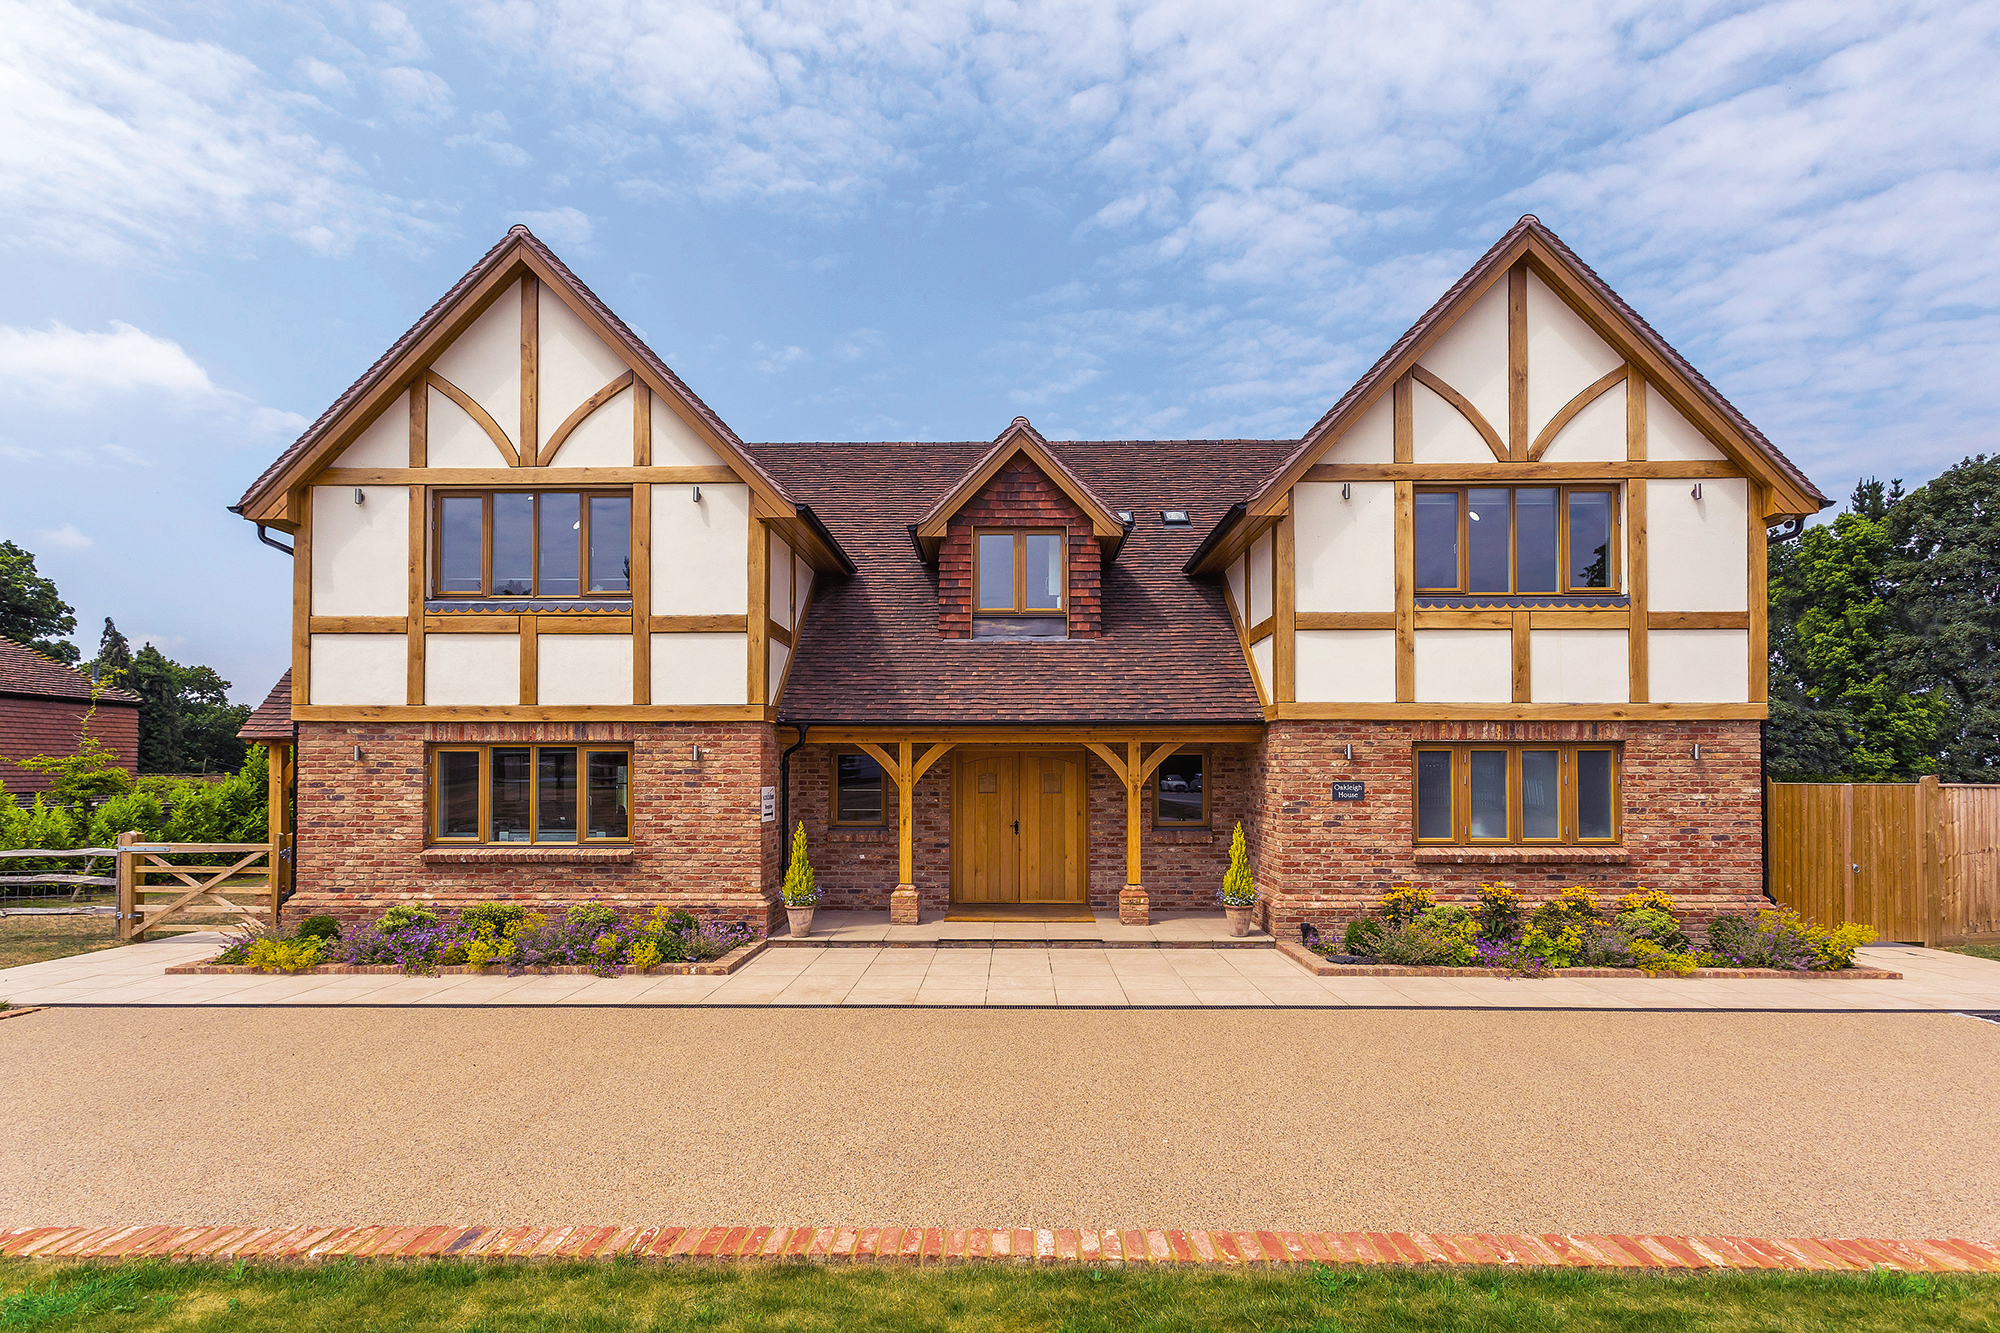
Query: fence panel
{"type": "Point", "coordinates": [1968, 855]}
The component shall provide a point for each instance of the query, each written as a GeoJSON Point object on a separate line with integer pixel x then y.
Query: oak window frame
{"type": "Point", "coordinates": [1564, 566]}
{"type": "Point", "coordinates": [434, 794]}
{"type": "Point", "coordinates": [434, 513]}
{"type": "Point", "coordinates": [1020, 607]}
{"type": "Point", "coordinates": [1567, 816]}
{"type": "Point", "coordinates": [1207, 819]}
{"type": "Point", "coordinates": [833, 793]}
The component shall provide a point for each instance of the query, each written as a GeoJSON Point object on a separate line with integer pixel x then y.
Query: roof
{"type": "Point", "coordinates": [1018, 438]}
{"type": "Point", "coordinates": [26, 673]}
{"type": "Point", "coordinates": [273, 719]}
{"type": "Point", "coordinates": [869, 650]}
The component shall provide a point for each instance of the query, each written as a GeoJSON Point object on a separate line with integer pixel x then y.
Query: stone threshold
{"type": "Point", "coordinates": [714, 967]}
{"type": "Point", "coordinates": [1320, 967]}
{"type": "Point", "coordinates": [809, 942]}
{"type": "Point", "coordinates": [1043, 1246]}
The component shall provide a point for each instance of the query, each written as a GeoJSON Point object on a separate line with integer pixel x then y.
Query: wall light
{"type": "Point", "coordinates": [1347, 490]}
{"type": "Point", "coordinates": [1696, 492]}
{"type": "Point", "coordinates": [697, 754]}
{"type": "Point", "coordinates": [358, 497]}
{"type": "Point", "coordinates": [1697, 751]}
{"type": "Point", "coordinates": [697, 495]}
{"type": "Point", "coordinates": [1350, 753]}
{"type": "Point", "coordinates": [357, 754]}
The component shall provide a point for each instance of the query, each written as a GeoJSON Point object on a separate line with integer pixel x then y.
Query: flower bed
{"type": "Point", "coordinates": [1321, 966]}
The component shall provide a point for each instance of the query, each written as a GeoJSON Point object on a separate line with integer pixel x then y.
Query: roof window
{"type": "Point", "coordinates": [1174, 518]}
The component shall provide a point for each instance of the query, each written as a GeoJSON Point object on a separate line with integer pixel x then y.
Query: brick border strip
{"type": "Point", "coordinates": [715, 967]}
{"type": "Point", "coordinates": [808, 942]}
{"type": "Point", "coordinates": [1320, 967]}
{"type": "Point", "coordinates": [934, 1246]}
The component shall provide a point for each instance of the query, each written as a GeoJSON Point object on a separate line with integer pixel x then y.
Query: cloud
{"type": "Point", "coordinates": [66, 535]}
{"type": "Point", "coordinates": [399, 36]}
{"type": "Point", "coordinates": [416, 94]}
{"type": "Point", "coordinates": [561, 226]}
{"type": "Point", "coordinates": [489, 131]}
{"type": "Point", "coordinates": [327, 78]}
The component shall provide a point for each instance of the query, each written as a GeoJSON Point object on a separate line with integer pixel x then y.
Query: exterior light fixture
{"type": "Point", "coordinates": [357, 495]}
{"type": "Point", "coordinates": [1697, 751]}
{"type": "Point", "coordinates": [697, 495]}
{"type": "Point", "coordinates": [1347, 490]}
{"type": "Point", "coordinates": [357, 754]}
{"type": "Point", "coordinates": [1350, 754]}
{"type": "Point", "coordinates": [1174, 518]}
{"type": "Point", "coordinates": [1696, 492]}
{"type": "Point", "coordinates": [697, 754]}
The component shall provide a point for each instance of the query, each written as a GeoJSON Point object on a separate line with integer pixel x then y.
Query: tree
{"type": "Point", "coordinates": [31, 611]}
{"type": "Point", "coordinates": [186, 722]}
{"type": "Point", "coordinates": [114, 655]}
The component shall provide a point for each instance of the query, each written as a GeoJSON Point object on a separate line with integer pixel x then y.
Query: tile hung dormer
{"type": "Point", "coordinates": [1020, 544]}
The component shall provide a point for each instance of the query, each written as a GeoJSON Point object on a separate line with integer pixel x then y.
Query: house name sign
{"type": "Point", "coordinates": [1350, 791]}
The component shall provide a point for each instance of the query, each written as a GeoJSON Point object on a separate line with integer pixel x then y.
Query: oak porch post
{"type": "Point", "coordinates": [903, 899]}
{"type": "Point", "coordinates": [1134, 909]}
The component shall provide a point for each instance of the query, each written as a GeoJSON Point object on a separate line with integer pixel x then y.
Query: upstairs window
{"type": "Point", "coordinates": [1516, 540]}
{"type": "Point", "coordinates": [533, 544]}
{"type": "Point", "coordinates": [1020, 583]}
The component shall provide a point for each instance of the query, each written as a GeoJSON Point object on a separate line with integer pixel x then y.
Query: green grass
{"type": "Point", "coordinates": [1991, 951]}
{"type": "Point", "coordinates": [36, 939]}
{"type": "Point", "coordinates": [609, 1298]}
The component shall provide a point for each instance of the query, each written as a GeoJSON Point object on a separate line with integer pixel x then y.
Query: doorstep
{"type": "Point", "coordinates": [1169, 930]}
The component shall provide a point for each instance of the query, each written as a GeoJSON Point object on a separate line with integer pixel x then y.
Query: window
{"type": "Point", "coordinates": [1019, 583]}
{"type": "Point", "coordinates": [542, 794]}
{"type": "Point", "coordinates": [857, 789]}
{"type": "Point", "coordinates": [533, 544]}
{"type": "Point", "coordinates": [1526, 793]}
{"type": "Point", "coordinates": [1476, 540]}
{"type": "Point", "coordinates": [1179, 799]}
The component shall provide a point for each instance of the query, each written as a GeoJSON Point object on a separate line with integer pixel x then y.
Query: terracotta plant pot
{"type": "Point", "coordinates": [1239, 918]}
{"type": "Point", "coordinates": [802, 921]}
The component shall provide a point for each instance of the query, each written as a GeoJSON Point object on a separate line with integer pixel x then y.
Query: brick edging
{"type": "Point", "coordinates": [715, 967]}
{"type": "Point", "coordinates": [808, 942]}
{"type": "Point", "coordinates": [1320, 967]}
{"type": "Point", "coordinates": [934, 1246]}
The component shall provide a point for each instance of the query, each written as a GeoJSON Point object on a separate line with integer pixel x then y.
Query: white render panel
{"type": "Point", "coordinates": [700, 668]}
{"type": "Point", "coordinates": [1671, 437]}
{"type": "Point", "coordinates": [1345, 549]}
{"type": "Point", "coordinates": [1594, 435]}
{"type": "Point", "coordinates": [1579, 666]}
{"type": "Point", "coordinates": [453, 439]}
{"type": "Point", "coordinates": [572, 364]}
{"type": "Point", "coordinates": [356, 669]}
{"type": "Point", "coordinates": [1260, 657]}
{"type": "Point", "coordinates": [675, 443]}
{"type": "Point", "coordinates": [602, 439]}
{"type": "Point", "coordinates": [775, 678]}
{"type": "Point", "coordinates": [1346, 666]}
{"type": "Point", "coordinates": [1565, 356]}
{"type": "Point", "coordinates": [386, 442]}
{"type": "Point", "coordinates": [583, 669]}
{"type": "Point", "coordinates": [701, 552]}
{"type": "Point", "coordinates": [802, 582]}
{"type": "Point", "coordinates": [1260, 578]}
{"type": "Point", "coordinates": [1697, 553]}
{"type": "Point", "coordinates": [1472, 356]}
{"type": "Point", "coordinates": [361, 552]}
{"type": "Point", "coordinates": [1698, 666]}
{"type": "Point", "coordinates": [1236, 588]}
{"type": "Point", "coordinates": [1371, 439]}
{"type": "Point", "coordinates": [1439, 432]}
{"type": "Point", "coordinates": [778, 566]}
{"type": "Point", "coordinates": [472, 669]}
{"type": "Point", "coordinates": [485, 364]}
{"type": "Point", "coordinates": [1465, 666]}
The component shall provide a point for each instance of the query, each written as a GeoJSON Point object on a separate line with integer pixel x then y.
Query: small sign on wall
{"type": "Point", "coordinates": [1350, 791]}
{"type": "Point", "coordinates": [768, 808]}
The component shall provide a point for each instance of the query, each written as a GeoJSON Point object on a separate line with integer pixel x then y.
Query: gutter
{"type": "Point", "coordinates": [916, 545]}
{"type": "Point", "coordinates": [819, 530]}
{"type": "Point", "coordinates": [1215, 536]}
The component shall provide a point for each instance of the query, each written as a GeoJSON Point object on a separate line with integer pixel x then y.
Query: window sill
{"type": "Point", "coordinates": [528, 855]}
{"type": "Point", "coordinates": [1169, 834]}
{"type": "Point", "coordinates": [858, 833]}
{"type": "Point", "coordinates": [1541, 856]}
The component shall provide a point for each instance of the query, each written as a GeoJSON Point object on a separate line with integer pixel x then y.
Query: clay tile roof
{"type": "Point", "coordinates": [273, 719]}
{"type": "Point", "coordinates": [869, 650]}
{"type": "Point", "coordinates": [25, 672]}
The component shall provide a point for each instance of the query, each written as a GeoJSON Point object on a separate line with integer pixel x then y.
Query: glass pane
{"type": "Point", "coordinates": [1593, 794]}
{"type": "Point", "coordinates": [1540, 794]}
{"type": "Point", "coordinates": [857, 789]}
{"type": "Point", "coordinates": [608, 795]}
{"type": "Point", "coordinates": [1488, 800]}
{"type": "Point", "coordinates": [512, 791]}
{"type": "Point", "coordinates": [555, 795]}
{"type": "Point", "coordinates": [610, 543]}
{"type": "Point", "coordinates": [561, 533]}
{"type": "Point", "coordinates": [996, 571]}
{"type": "Point", "coordinates": [1434, 793]}
{"type": "Point", "coordinates": [1045, 569]}
{"type": "Point", "coordinates": [1535, 539]}
{"type": "Point", "coordinates": [1590, 539]}
{"type": "Point", "coordinates": [513, 544]}
{"type": "Point", "coordinates": [458, 543]}
{"type": "Point", "coordinates": [1486, 541]}
{"type": "Point", "coordinates": [1437, 539]}
{"type": "Point", "coordinates": [1179, 794]}
{"type": "Point", "coordinates": [458, 794]}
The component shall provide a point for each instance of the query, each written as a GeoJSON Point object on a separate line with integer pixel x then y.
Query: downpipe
{"type": "Point", "coordinates": [785, 800]}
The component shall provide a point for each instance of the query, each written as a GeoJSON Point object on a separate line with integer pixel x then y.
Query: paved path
{"type": "Point", "coordinates": [1345, 1120]}
{"type": "Point", "coordinates": [982, 977]}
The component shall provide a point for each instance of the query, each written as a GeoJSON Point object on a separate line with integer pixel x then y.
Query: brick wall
{"type": "Point", "coordinates": [1018, 495]}
{"type": "Point", "coordinates": [697, 840]}
{"type": "Point", "coordinates": [30, 727]}
{"type": "Point", "coordinates": [1692, 828]}
{"type": "Point", "coordinates": [856, 866]}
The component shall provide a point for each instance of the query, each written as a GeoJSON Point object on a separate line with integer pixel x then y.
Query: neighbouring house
{"type": "Point", "coordinates": [559, 634]}
{"type": "Point", "coordinates": [43, 705]}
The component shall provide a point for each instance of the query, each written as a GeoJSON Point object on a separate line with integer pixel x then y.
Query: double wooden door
{"type": "Point", "coordinates": [1018, 827]}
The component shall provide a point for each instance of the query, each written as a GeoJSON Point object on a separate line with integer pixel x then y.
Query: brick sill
{"type": "Point", "coordinates": [1540, 856]}
{"type": "Point", "coordinates": [529, 855]}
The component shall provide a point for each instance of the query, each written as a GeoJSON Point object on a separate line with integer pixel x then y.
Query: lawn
{"type": "Point", "coordinates": [34, 939]}
{"type": "Point", "coordinates": [1991, 951]}
{"type": "Point", "coordinates": [610, 1297]}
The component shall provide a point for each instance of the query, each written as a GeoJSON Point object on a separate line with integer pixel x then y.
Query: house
{"type": "Point", "coordinates": [559, 634]}
{"type": "Point", "coordinates": [43, 708]}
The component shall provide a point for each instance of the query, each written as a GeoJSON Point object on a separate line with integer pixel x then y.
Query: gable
{"type": "Point", "coordinates": [1020, 439]}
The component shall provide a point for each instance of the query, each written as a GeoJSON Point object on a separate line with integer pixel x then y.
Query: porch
{"type": "Point", "coordinates": [1102, 930]}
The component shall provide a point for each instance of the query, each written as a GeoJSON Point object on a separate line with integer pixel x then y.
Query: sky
{"type": "Point", "coordinates": [885, 220]}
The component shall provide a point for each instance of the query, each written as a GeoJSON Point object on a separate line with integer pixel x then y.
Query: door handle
{"type": "Point", "coordinates": [1017, 827]}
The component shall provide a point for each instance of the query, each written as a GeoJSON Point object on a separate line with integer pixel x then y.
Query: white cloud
{"type": "Point", "coordinates": [559, 226]}
{"type": "Point", "coordinates": [489, 135]}
{"type": "Point", "coordinates": [416, 94]}
{"type": "Point", "coordinates": [66, 535]}
{"type": "Point", "coordinates": [327, 78]}
{"type": "Point", "coordinates": [399, 36]}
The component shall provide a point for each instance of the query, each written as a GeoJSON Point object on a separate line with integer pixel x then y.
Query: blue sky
{"type": "Point", "coordinates": [915, 220]}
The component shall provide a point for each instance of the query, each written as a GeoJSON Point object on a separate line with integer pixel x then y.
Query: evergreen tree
{"type": "Point", "coordinates": [186, 722]}
{"type": "Point", "coordinates": [31, 611]}
{"type": "Point", "coordinates": [114, 655]}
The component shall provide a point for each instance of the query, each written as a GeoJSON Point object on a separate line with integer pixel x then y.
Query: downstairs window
{"type": "Point", "coordinates": [1526, 793]}
{"type": "Point", "coordinates": [545, 795]}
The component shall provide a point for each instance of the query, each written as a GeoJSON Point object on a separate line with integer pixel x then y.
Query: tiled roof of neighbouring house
{"type": "Point", "coordinates": [23, 671]}
{"type": "Point", "coordinates": [273, 719]}
{"type": "Point", "coordinates": [870, 651]}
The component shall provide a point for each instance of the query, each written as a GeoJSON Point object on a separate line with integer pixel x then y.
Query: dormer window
{"type": "Point", "coordinates": [1021, 579]}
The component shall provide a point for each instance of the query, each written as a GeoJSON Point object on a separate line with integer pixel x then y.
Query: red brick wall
{"type": "Point", "coordinates": [30, 727]}
{"type": "Point", "coordinates": [696, 837]}
{"type": "Point", "coordinates": [1181, 869]}
{"type": "Point", "coordinates": [1018, 495]}
{"type": "Point", "coordinates": [1692, 828]}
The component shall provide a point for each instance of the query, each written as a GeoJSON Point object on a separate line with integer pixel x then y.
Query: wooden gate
{"type": "Point", "coordinates": [1918, 861]}
{"type": "Point", "coordinates": [240, 885]}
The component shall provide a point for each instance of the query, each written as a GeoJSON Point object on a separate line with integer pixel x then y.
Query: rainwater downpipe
{"type": "Point", "coordinates": [292, 787]}
{"type": "Point", "coordinates": [785, 801]}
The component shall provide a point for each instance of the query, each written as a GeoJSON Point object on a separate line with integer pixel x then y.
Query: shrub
{"type": "Point", "coordinates": [1362, 934]}
{"type": "Point", "coordinates": [1653, 960]}
{"type": "Point", "coordinates": [403, 916]}
{"type": "Point", "coordinates": [1512, 956]}
{"type": "Point", "coordinates": [1557, 947]}
{"type": "Point", "coordinates": [1602, 944]}
{"type": "Point", "coordinates": [1650, 923]}
{"type": "Point", "coordinates": [270, 954]}
{"type": "Point", "coordinates": [319, 927]}
{"type": "Point", "coordinates": [1438, 937]}
{"type": "Point", "coordinates": [1402, 904]}
{"type": "Point", "coordinates": [1835, 948]}
{"type": "Point", "coordinates": [1572, 907]}
{"type": "Point", "coordinates": [1778, 938]}
{"type": "Point", "coordinates": [494, 918]}
{"type": "Point", "coordinates": [1647, 900]}
{"type": "Point", "coordinates": [1238, 890]}
{"type": "Point", "coordinates": [800, 890]}
{"type": "Point", "coordinates": [1499, 912]}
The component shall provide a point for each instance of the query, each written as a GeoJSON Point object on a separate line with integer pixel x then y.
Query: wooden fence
{"type": "Point", "coordinates": [1919, 861]}
{"type": "Point", "coordinates": [243, 884]}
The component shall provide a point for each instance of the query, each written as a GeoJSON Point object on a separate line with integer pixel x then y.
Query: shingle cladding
{"type": "Point", "coordinates": [870, 651]}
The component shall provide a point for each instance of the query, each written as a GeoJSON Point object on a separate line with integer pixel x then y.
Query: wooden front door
{"type": "Point", "coordinates": [1018, 827]}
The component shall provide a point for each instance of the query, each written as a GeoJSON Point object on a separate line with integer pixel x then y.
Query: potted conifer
{"type": "Point", "coordinates": [800, 891]}
{"type": "Point", "coordinates": [1239, 894]}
